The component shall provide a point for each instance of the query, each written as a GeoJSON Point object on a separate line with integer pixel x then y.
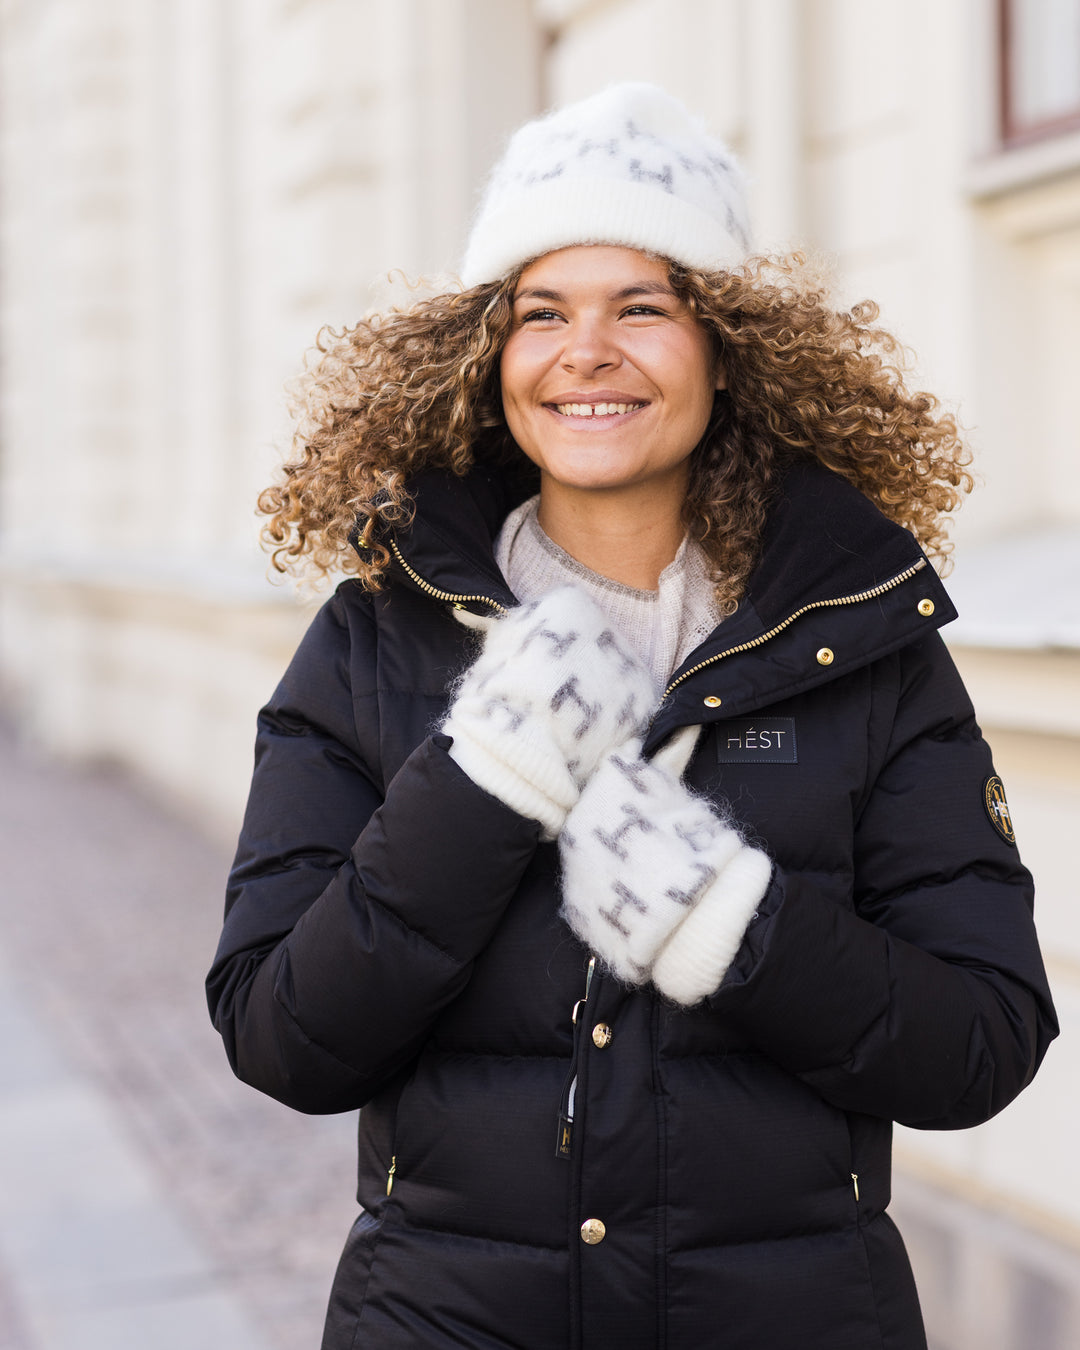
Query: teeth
{"type": "Point", "coordinates": [594, 409]}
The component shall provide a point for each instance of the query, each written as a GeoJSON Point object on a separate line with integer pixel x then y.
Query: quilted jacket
{"type": "Point", "coordinates": [392, 944]}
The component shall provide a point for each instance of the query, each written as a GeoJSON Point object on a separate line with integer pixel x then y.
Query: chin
{"type": "Point", "coordinates": [591, 471]}
{"type": "Point", "coordinates": [593, 482]}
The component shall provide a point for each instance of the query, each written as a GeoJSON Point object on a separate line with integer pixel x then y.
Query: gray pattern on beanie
{"type": "Point", "coordinates": [628, 166]}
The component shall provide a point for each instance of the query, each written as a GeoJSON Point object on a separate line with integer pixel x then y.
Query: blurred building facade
{"type": "Point", "coordinates": [189, 189]}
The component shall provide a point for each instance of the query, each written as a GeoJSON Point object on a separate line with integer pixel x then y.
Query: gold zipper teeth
{"type": "Point", "coordinates": [444, 595]}
{"type": "Point", "coordinates": [814, 604]}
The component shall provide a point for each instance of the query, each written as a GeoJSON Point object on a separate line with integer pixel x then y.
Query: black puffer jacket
{"type": "Point", "coordinates": [392, 943]}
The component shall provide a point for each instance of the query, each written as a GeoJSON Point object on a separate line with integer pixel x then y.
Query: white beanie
{"type": "Point", "coordinates": [628, 166]}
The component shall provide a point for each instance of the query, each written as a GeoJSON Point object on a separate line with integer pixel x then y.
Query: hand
{"type": "Point", "coordinates": [654, 882]}
{"type": "Point", "coordinates": [554, 688]}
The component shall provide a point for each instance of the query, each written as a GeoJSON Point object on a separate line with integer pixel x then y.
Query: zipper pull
{"type": "Point", "coordinates": [390, 1174]}
{"type": "Point", "coordinates": [588, 984]}
{"type": "Point", "coordinates": [855, 1183]}
{"type": "Point", "coordinates": [564, 1137]}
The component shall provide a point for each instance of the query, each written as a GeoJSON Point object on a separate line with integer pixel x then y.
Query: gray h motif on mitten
{"type": "Point", "coordinates": [552, 691]}
{"type": "Point", "coordinates": [655, 882]}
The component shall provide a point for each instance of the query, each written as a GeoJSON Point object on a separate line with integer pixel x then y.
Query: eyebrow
{"type": "Point", "coordinates": [627, 292]}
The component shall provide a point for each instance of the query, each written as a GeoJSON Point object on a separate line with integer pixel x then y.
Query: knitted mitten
{"type": "Point", "coordinates": [654, 882]}
{"type": "Point", "coordinates": [552, 691]}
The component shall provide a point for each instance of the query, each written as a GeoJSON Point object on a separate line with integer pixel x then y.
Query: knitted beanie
{"type": "Point", "coordinates": [628, 166]}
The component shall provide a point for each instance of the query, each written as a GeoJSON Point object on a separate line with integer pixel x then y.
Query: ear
{"type": "Point", "coordinates": [721, 376]}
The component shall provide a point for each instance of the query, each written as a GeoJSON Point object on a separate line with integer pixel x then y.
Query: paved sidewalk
{"type": "Point", "coordinates": [148, 1199]}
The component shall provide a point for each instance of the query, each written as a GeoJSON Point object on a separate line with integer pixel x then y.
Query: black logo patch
{"type": "Point", "coordinates": [997, 808]}
{"type": "Point", "coordinates": [750, 740]}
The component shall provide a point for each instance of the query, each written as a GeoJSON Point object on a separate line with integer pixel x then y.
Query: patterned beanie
{"type": "Point", "coordinates": [629, 166]}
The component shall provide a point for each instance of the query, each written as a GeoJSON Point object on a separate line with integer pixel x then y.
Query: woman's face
{"type": "Point", "coordinates": [607, 379]}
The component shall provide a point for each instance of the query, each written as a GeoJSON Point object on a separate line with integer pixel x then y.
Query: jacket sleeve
{"type": "Point", "coordinates": [925, 1001]}
{"type": "Point", "coordinates": [351, 918]}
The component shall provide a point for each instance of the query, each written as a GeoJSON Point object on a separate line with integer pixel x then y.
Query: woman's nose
{"type": "Point", "coordinates": [590, 347]}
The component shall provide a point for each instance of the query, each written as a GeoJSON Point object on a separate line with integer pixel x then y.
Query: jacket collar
{"type": "Point", "coordinates": [823, 541]}
{"type": "Point", "coordinates": [837, 586]}
{"type": "Point", "coordinates": [448, 551]}
{"type": "Point", "coordinates": [833, 574]}
{"type": "Point", "coordinates": [823, 538]}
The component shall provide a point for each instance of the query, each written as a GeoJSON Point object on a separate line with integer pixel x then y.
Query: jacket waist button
{"type": "Point", "coordinates": [601, 1035]}
{"type": "Point", "coordinates": [593, 1231]}
{"type": "Point", "coordinates": [825, 656]}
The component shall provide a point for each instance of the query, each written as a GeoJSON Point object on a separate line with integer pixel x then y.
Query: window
{"type": "Point", "coordinates": [1040, 68]}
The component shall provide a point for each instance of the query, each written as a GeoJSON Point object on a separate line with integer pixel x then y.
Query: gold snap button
{"type": "Point", "coordinates": [712, 701]}
{"type": "Point", "coordinates": [926, 608]}
{"type": "Point", "coordinates": [825, 656]}
{"type": "Point", "coordinates": [601, 1035]}
{"type": "Point", "coordinates": [593, 1231]}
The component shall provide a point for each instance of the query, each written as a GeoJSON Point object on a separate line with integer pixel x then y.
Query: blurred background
{"type": "Point", "coordinates": [189, 189]}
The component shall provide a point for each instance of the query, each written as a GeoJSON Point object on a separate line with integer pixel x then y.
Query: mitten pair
{"type": "Point", "coordinates": [547, 719]}
{"type": "Point", "coordinates": [552, 691]}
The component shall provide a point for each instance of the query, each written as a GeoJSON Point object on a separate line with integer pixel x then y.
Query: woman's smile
{"type": "Point", "coordinates": [597, 410]}
{"type": "Point", "coordinates": [597, 414]}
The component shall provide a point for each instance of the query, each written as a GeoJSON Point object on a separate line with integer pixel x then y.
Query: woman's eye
{"type": "Point", "coordinates": [649, 310]}
{"type": "Point", "coordinates": [538, 315]}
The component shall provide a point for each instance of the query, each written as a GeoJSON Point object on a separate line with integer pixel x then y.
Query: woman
{"type": "Point", "coordinates": [621, 839]}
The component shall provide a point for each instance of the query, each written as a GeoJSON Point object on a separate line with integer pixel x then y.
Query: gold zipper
{"type": "Point", "coordinates": [814, 604]}
{"type": "Point", "coordinates": [458, 600]}
{"type": "Point", "coordinates": [855, 1183]}
{"type": "Point", "coordinates": [391, 1174]}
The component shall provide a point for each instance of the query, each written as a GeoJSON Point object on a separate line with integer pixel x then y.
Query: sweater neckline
{"type": "Point", "coordinates": [527, 517]}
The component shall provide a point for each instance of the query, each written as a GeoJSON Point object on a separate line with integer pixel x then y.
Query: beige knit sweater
{"type": "Point", "coordinates": [662, 626]}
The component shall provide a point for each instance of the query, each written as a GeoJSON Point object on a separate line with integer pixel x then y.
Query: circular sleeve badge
{"type": "Point", "coordinates": [997, 808]}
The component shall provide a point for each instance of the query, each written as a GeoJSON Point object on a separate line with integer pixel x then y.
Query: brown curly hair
{"type": "Point", "coordinates": [419, 388]}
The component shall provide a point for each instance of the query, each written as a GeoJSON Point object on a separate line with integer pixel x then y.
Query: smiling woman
{"type": "Point", "coordinates": [619, 838]}
{"type": "Point", "coordinates": [608, 383]}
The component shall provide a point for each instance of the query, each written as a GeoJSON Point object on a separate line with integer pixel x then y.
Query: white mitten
{"type": "Point", "coordinates": [552, 691]}
{"type": "Point", "coordinates": [654, 882]}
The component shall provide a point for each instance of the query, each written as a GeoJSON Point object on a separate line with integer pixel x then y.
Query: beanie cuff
{"type": "Point", "coordinates": [563, 213]}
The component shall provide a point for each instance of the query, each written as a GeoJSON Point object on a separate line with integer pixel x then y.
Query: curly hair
{"type": "Point", "coordinates": [419, 388]}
